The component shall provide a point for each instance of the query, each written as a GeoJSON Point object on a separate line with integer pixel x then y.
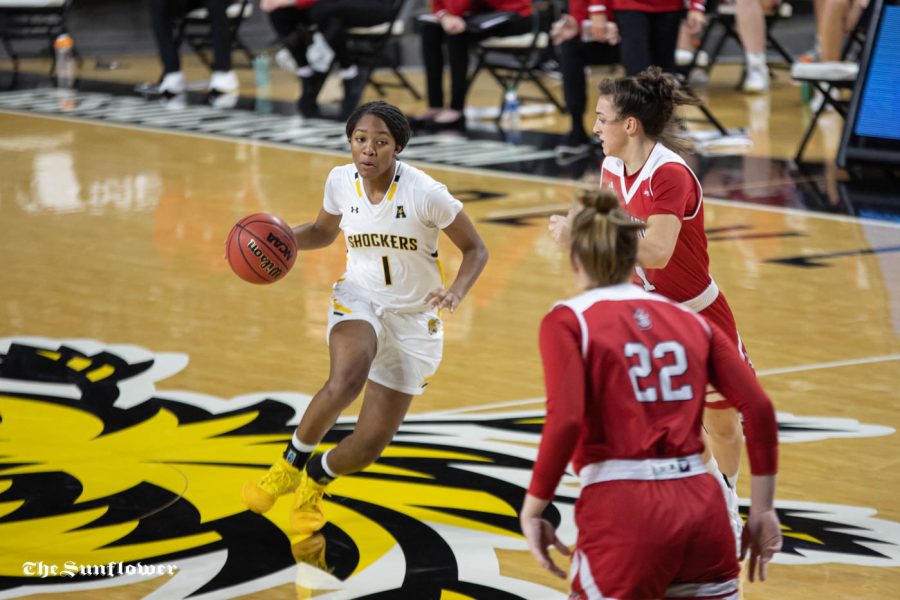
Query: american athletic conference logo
{"type": "Point", "coordinates": [428, 516]}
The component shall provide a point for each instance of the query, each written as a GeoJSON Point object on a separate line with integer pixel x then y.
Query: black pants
{"type": "Point", "coordinates": [292, 26]}
{"type": "Point", "coordinates": [164, 14]}
{"type": "Point", "coordinates": [574, 55]}
{"type": "Point", "coordinates": [334, 17]}
{"type": "Point", "coordinates": [433, 40]}
{"type": "Point", "coordinates": [648, 39]}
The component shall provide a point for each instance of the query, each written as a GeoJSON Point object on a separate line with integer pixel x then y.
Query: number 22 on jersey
{"type": "Point", "coordinates": [672, 354]}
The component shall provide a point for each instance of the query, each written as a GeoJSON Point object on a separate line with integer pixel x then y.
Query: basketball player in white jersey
{"type": "Point", "coordinates": [384, 326]}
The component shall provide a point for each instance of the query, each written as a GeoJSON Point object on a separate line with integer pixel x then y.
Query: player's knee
{"type": "Point", "coordinates": [345, 387]}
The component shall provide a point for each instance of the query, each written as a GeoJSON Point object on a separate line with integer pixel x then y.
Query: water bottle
{"type": "Point", "coordinates": [512, 114]}
{"type": "Point", "coordinates": [586, 33]}
{"type": "Point", "coordinates": [262, 74]}
{"type": "Point", "coordinates": [65, 61]}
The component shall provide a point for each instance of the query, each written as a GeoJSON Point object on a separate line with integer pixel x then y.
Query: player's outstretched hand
{"type": "Point", "coordinates": [440, 298]}
{"type": "Point", "coordinates": [540, 535]}
{"type": "Point", "coordinates": [762, 536]}
{"type": "Point", "coordinates": [561, 226]}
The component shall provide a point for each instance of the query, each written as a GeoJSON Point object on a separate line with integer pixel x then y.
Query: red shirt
{"type": "Point", "coordinates": [666, 185]}
{"type": "Point", "coordinates": [625, 372]}
{"type": "Point", "coordinates": [582, 10]}
{"type": "Point", "coordinates": [654, 6]}
{"type": "Point", "coordinates": [461, 8]}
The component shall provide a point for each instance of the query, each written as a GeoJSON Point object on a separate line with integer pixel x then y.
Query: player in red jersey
{"type": "Point", "coordinates": [635, 122]}
{"type": "Point", "coordinates": [625, 372]}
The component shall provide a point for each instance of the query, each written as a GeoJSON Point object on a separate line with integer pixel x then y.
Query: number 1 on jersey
{"type": "Point", "coordinates": [385, 263]}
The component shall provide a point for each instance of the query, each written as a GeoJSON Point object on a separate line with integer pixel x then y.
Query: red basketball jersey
{"type": "Point", "coordinates": [666, 185]}
{"type": "Point", "coordinates": [625, 373]}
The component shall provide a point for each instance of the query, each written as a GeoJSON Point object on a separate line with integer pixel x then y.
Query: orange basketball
{"type": "Point", "coordinates": [261, 248]}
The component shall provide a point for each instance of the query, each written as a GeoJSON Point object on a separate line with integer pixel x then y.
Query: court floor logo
{"type": "Point", "coordinates": [97, 467]}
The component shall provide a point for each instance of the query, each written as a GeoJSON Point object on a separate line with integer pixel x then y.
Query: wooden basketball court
{"type": "Point", "coordinates": [143, 382]}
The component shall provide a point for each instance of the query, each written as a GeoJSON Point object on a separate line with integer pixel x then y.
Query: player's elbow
{"type": "Point", "coordinates": [655, 257]}
{"type": "Point", "coordinates": [479, 253]}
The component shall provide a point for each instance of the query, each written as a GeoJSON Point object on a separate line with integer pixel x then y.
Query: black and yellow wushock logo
{"type": "Point", "coordinates": [101, 476]}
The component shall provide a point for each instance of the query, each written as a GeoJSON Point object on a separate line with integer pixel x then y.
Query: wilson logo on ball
{"type": "Point", "coordinates": [265, 265]}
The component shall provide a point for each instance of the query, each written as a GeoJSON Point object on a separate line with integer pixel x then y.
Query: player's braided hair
{"type": "Point", "coordinates": [604, 238]}
{"type": "Point", "coordinates": [651, 97]}
{"type": "Point", "coordinates": [395, 120]}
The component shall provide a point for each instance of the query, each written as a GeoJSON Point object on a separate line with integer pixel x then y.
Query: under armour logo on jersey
{"type": "Point", "coordinates": [642, 319]}
{"type": "Point", "coordinates": [354, 209]}
{"type": "Point", "coordinates": [400, 214]}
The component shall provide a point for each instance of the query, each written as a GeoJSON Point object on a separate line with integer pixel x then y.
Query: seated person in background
{"type": "Point", "coordinates": [835, 19]}
{"type": "Point", "coordinates": [163, 15]}
{"type": "Point", "coordinates": [750, 20]}
{"type": "Point", "coordinates": [292, 19]}
{"type": "Point", "coordinates": [648, 29]}
{"type": "Point", "coordinates": [458, 24]}
{"type": "Point", "coordinates": [582, 39]}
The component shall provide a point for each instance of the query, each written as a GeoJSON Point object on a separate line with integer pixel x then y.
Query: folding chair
{"type": "Point", "coordinates": [517, 58]}
{"type": "Point", "coordinates": [722, 16]}
{"type": "Point", "coordinates": [832, 78]}
{"type": "Point", "coordinates": [32, 19]}
{"type": "Point", "coordinates": [379, 46]}
{"type": "Point", "coordinates": [196, 29]}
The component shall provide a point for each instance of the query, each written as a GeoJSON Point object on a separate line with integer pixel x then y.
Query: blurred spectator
{"type": "Point", "coordinates": [649, 29]}
{"type": "Point", "coordinates": [314, 54]}
{"type": "Point", "coordinates": [835, 19]}
{"type": "Point", "coordinates": [164, 14]}
{"type": "Point", "coordinates": [582, 38]}
{"type": "Point", "coordinates": [459, 24]}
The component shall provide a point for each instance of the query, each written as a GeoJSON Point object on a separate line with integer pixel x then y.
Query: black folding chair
{"type": "Point", "coordinates": [832, 78]}
{"type": "Point", "coordinates": [516, 58]}
{"type": "Point", "coordinates": [722, 19]}
{"type": "Point", "coordinates": [379, 46]}
{"type": "Point", "coordinates": [196, 29]}
{"type": "Point", "coordinates": [32, 19]}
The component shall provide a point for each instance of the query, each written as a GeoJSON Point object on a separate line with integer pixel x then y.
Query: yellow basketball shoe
{"type": "Point", "coordinates": [308, 511]}
{"type": "Point", "coordinates": [260, 495]}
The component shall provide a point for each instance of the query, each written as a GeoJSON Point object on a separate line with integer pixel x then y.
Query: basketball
{"type": "Point", "coordinates": [261, 248]}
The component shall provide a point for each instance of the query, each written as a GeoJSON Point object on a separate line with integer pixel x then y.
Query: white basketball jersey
{"type": "Point", "coordinates": [392, 246]}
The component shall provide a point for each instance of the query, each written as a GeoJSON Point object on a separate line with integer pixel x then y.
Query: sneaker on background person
{"type": "Point", "coordinates": [224, 82]}
{"type": "Point", "coordinates": [172, 84]}
{"type": "Point", "coordinates": [756, 79]}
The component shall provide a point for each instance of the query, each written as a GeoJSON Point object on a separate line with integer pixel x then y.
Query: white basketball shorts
{"type": "Point", "coordinates": [410, 344]}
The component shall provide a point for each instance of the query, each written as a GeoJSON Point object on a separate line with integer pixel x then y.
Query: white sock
{"type": "Point", "coordinates": [349, 72]}
{"type": "Point", "coordinates": [296, 443]}
{"type": "Point", "coordinates": [756, 60]}
{"type": "Point", "coordinates": [305, 71]}
{"type": "Point", "coordinates": [325, 466]}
